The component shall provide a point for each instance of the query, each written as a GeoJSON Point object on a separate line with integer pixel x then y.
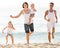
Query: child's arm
{"type": "Point", "coordinates": [4, 29]}
{"type": "Point", "coordinates": [34, 10]}
{"type": "Point", "coordinates": [13, 27]}
{"type": "Point", "coordinates": [32, 15]}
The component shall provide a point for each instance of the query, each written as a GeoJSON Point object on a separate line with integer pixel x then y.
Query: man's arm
{"type": "Point", "coordinates": [46, 13]}
{"type": "Point", "coordinates": [17, 15]}
{"type": "Point", "coordinates": [56, 16]}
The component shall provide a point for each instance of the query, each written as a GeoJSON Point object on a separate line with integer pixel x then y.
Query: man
{"type": "Point", "coordinates": [51, 19]}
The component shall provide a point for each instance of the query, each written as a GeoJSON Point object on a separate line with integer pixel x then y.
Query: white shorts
{"type": "Point", "coordinates": [50, 25]}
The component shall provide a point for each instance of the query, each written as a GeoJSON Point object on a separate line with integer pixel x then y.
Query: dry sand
{"type": "Point", "coordinates": [34, 45]}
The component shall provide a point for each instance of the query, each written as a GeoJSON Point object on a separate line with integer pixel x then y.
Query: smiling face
{"type": "Point", "coordinates": [9, 23]}
{"type": "Point", "coordinates": [25, 5]}
{"type": "Point", "coordinates": [32, 5]}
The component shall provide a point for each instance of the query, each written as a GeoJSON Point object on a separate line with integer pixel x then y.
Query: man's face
{"type": "Point", "coordinates": [51, 6]}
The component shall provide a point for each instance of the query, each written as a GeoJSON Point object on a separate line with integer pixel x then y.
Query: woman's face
{"type": "Point", "coordinates": [25, 5]}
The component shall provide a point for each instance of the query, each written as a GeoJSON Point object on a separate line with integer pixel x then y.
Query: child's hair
{"type": "Point", "coordinates": [25, 3]}
{"type": "Point", "coordinates": [32, 4]}
{"type": "Point", "coordinates": [10, 22]}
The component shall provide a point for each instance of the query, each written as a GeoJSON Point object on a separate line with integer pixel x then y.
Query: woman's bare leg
{"type": "Point", "coordinates": [27, 38]}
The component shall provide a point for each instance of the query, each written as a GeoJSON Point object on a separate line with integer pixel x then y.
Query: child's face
{"type": "Point", "coordinates": [32, 5]}
{"type": "Point", "coordinates": [9, 23]}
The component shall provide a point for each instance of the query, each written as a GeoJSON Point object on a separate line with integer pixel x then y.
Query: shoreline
{"type": "Point", "coordinates": [32, 45]}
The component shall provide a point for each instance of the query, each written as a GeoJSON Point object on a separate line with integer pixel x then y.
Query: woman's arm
{"type": "Point", "coordinates": [17, 15]}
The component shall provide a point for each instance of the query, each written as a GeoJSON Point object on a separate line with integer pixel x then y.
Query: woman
{"type": "Point", "coordinates": [28, 25]}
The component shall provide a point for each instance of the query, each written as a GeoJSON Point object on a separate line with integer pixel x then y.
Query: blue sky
{"type": "Point", "coordinates": [8, 7]}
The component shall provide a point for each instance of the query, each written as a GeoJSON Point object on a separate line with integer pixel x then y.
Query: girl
{"type": "Point", "coordinates": [10, 28]}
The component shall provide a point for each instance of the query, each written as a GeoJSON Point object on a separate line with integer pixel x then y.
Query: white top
{"type": "Point", "coordinates": [51, 16]}
{"type": "Point", "coordinates": [27, 16]}
{"type": "Point", "coordinates": [9, 30]}
{"type": "Point", "coordinates": [32, 11]}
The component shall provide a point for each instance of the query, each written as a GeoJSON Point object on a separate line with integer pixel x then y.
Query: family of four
{"type": "Point", "coordinates": [50, 17]}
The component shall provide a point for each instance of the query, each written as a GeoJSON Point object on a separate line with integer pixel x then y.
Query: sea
{"type": "Point", "coordinates": [36, 37]}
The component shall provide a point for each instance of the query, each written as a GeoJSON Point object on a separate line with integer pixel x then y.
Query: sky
{"type": "Point", "coordinates": [13, 7]}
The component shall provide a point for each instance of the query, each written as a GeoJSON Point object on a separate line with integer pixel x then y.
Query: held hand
{"type": "Point", "coordinates": [28, 24]}
{"type": "Point", "coordinates": [29, 20]}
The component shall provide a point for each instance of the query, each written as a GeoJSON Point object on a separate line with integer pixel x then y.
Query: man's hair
{"type": "Point", "coordinates": [52, 3]}
{"type": "Point", "coordinates": [25, 3]}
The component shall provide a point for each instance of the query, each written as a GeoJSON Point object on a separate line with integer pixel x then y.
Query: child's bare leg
{"type": "Point", "coordinates": [6, 39]}
{"type": "Point", "coordinates": [12, 38]}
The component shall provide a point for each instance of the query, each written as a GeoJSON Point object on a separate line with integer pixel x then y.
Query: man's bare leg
{"type": "Point", "coordinates": [53, 31]}
{"type": "Point", "coordinates": [49, 37]}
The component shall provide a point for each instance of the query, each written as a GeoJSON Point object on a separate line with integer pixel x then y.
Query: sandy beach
{"type": "Point", "coordinates": [34, 45]}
